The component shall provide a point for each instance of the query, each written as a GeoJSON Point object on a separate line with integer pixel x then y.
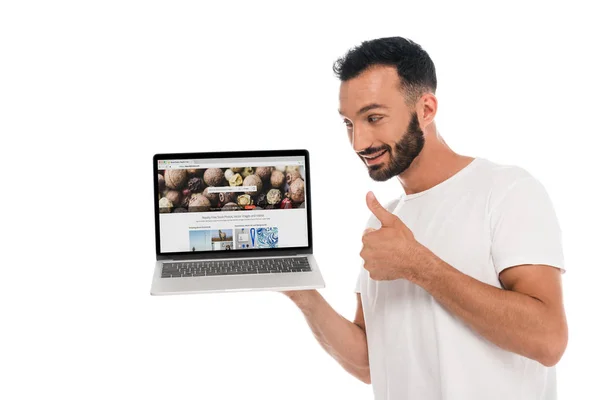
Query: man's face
{"type": "Point", "coordinates": [383, 131]}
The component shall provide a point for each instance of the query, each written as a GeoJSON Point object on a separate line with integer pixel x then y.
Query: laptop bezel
{"type": "Point", "coordinates": [250, 253]}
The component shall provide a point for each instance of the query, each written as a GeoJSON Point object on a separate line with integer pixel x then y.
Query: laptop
{"type": "Point", "coordinates": [233, 221]}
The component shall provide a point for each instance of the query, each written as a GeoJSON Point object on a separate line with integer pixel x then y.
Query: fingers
{"type": "Point", "coordinates": [384, 216]}
{"type": "Point", "coordinates": [368, 230]}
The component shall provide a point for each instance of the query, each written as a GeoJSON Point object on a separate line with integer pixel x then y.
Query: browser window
{"type": "Point", "coordinates": [232, 204]}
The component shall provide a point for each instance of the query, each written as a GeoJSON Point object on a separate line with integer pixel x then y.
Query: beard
{"type": "Point", "coordinates": [401, 155]}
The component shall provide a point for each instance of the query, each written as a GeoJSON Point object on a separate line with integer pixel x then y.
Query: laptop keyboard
{"type": "Point", "coordinates": [235, 267]}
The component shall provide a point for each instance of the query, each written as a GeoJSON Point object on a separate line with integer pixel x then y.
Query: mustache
{"type": "Point", "coordinates": [373, 150]}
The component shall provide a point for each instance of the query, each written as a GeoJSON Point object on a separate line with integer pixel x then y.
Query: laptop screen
{"type": "Point", "coordinates": [232, 204]}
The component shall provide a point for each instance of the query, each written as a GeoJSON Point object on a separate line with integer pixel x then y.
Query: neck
{"type": "Point", "coordinates": [436, 163]}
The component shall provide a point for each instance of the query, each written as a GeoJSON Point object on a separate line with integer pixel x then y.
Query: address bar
{"type": "Point", "coordinates": [232, 165]}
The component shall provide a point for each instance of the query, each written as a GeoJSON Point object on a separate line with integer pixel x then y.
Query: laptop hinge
{"type": "Point", "coordinates": [232, 254]}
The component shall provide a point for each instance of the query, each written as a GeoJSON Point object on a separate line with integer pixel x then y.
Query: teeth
{"type": "Point", "coordinates": [378, 155]}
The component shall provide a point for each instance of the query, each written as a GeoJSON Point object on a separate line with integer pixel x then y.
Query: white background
{"type": "Point", "coordinates": [89, 91]}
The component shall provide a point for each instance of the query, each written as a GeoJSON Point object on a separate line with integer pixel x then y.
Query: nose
{"type": "Point", "coordinates": [361, 138]}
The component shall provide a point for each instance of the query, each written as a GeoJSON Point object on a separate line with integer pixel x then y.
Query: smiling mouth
{"type": "Point", "coordinates": [372, 159]}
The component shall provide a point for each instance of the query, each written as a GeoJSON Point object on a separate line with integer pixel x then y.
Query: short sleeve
{"type": "Point", "coordinates": [525, 228]}
{"type": "Point", "coordinates": [357, 288]}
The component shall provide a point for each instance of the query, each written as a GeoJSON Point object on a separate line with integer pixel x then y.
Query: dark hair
{"type": "Point", "coordinates": [414, 66]}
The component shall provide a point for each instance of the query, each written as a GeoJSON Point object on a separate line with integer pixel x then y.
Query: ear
{"type": "Point", "coordinates": [426, 109]}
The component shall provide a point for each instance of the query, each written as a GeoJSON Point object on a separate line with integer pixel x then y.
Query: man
{"type": "Point", "coordinates": [460, 292]}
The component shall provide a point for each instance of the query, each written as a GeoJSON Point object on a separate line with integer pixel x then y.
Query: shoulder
{"type": "Point", "coordinates": [504, 181]}
{"type": "Point", "coordinates": [502, 175]}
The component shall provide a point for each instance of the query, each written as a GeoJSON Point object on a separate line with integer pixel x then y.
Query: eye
{"type": "Point", "coordinates": [374, 118]}
{"type": "Point", "coordinates": [348, 123]}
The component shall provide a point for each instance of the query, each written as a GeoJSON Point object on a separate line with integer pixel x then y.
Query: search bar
{"type": "Point", "coordinates": [226, 189]}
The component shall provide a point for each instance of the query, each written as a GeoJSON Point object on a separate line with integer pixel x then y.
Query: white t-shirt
{"type": "Point", "coordinates": [485, 218]}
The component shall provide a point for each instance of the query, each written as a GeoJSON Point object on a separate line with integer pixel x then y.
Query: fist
{"type": "Point", "coordinates": [390, 252]}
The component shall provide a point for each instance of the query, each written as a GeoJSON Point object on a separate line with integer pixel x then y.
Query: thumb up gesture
{"type": "Point", "coordinates": [390, 252]}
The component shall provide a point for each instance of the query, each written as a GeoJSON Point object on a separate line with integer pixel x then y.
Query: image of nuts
{"type": "Point", "coordinates": [235, 180]}
{"type": "Point", "coordinates": [244, 200]}
{"type": "Point", "coordinates": [227, 197]}
{"type": "Point", "coordinates": [286, 203]}
{"type": "Point", "coordinates": [175, 178]}
{"type": "Point", "coordinates": [291, 176]}
{"type": "Point", "coordinates": [261, 200]}
{"type": "Point", "coordinates": [194, 172]}
{"type": "Point", "coordinates": [291, 168]}
{"type": "Point", "coordinates": [237, 169]}
{"type": "Point", "coordinates": [165, 205]}
{"type": "Point", "coordinates": [212, 197]}
{"type": "Point", "coordinates": [180, 210]}
{"type": "Point", "coordinates": [297, 190]}
{"type": "Point", "coordinates": [161, 183]}
{"type": "Point", "coordinates": [253, 180]}
{"type": "Point", "coordinates": [196, 185]}
{"type": "Point", "coordinates": [228, 174]}
{"type": "Point", "coordinates": [264, 173]}
{"type": "Point", "coordinates": [214, 176]}
{"type": "Point", "coordinates": [175, 197]}
{"type": "Point", "coordinates": [230, 207]}
{"type": "Point", "coordinates": [280, 168]}
{"type": "Point", "coordinates": [277, 178]}
{"type": "Point", "coordinates": [199, 202]}
{"type": "Point", "coordinates": [247, 171]}
{"type": "Point", "coordinates": [274, 196]}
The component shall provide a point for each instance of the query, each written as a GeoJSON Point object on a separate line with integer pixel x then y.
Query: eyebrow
{"type": "Point", "coordinates": [367, 108]}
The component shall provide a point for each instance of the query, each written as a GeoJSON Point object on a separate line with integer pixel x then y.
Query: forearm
{"type": "Point", "coordinates": [345, 341]}
{"type": "Point", "coordinates": [513, 321]}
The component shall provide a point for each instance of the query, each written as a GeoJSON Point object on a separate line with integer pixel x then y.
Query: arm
{"type": "Point", "coordinates": [345, 341]}
{"type": "Point", "coordinates": [528, 318]}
